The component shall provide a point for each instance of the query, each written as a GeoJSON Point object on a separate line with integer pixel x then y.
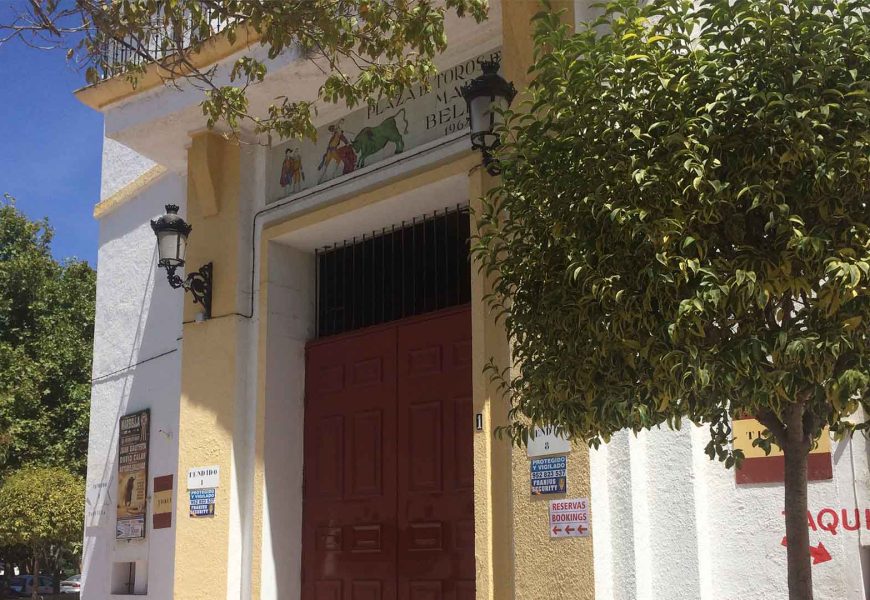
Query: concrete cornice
{"type": "Point", "coordinates": [127, 192]}
{"type": "Point", "coordinates": [100, 95]}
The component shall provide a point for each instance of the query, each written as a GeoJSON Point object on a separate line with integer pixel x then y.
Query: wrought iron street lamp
{"type": "Point", "coordinates": [485, 96]}
{"type": "Point", "coordinates": [172, 231]}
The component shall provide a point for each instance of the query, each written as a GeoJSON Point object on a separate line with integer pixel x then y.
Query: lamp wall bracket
{"type": "Point", "coordinates": [198, 283]}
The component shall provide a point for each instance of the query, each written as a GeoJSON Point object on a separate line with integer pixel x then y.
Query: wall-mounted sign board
{"type": "Point", "coordinates": [549, 475]}
{"type": "Point", "coordinates": [759, 467]}
{"type": "Point", "coordinates": [569, 518]}
{"type": "Point", "coordinates": [547, 442]}
{"type": "Point", "coordinates": [161, 503]}
{"type": "Point", "coordinates": [202, 502]}
{"type": "Point", "coordinates": [199, 478]}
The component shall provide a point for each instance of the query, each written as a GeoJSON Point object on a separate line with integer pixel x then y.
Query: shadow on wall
{"type": "Point", "coordinates": [290, 314]}
{"type": "Point", "coordinates": [136, 366]}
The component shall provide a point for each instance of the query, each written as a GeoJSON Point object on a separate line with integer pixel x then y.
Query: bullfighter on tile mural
{"type": "Point", "coordinates": [292, 174]}
{"type": "Point", "coordinates": [339, 152]}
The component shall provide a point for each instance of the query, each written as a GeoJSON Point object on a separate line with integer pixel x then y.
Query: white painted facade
{"type": "Point", "coordinates": [670, 523]}
{"type": "Point", "coordinates": [667, 523]}
{"type": "Point", "coordinates": [136, 366]}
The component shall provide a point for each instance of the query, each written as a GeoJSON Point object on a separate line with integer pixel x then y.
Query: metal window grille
{"type": "Point", "coordinates": [400, 271]}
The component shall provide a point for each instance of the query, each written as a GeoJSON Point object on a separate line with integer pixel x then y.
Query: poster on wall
{"type": "Point", "coordinates": [376, 133]}
{"type": "Point", "coordinates": [133, 439]}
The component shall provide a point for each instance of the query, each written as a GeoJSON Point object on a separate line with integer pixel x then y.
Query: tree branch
{"type": "Point", "coordinates": [773, 424]}
{"type": "Point", "coordinates": [810, 425]}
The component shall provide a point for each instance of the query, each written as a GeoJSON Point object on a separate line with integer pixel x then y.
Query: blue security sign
{"type": "Point", "coordinates": [549, 475]}
{"type": "Point", "coordinates": [202, 502]}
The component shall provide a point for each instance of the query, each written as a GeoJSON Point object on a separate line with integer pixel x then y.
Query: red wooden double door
{"type": "Point", "coordinates": [388, 500]}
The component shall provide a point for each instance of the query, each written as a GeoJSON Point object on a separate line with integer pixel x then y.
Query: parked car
{"type": "Point", "coordinates": [22, 585]}
{"type": "Point", "coordinates": [71, 585]}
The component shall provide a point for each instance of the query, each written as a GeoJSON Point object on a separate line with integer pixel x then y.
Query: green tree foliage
{"type": "Point", "coordinates": [683, 232]}
{"type": "Point", "coordinates": [46, 337]}
{"type": "Point", "coordinates": [41, 509]}
{"type": "Point", "coordinates": [368, 49]}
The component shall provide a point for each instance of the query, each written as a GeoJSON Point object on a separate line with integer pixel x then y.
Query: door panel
{"type": "Point", "coordinates": [388, 509]}
{"type": "Point", "coordinates": [436, 504]}
{"type": "Point", "coordinates": [349, 530]}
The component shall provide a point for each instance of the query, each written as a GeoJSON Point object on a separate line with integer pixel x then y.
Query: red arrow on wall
{"type": "Point", "coordinates": [557, 530]}
{"type": "Point", "coordinates": [819, 553]}
{"type": "Point", "coordinates": [569, 529]}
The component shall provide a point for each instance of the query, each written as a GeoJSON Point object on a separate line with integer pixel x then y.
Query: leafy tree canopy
{"type": "Point", "coordinates": [41, 510]}
{"type": "Point", "coordinates": [46, 336]}
{"type": "Point", "coordinates": [367, 48]}
{"type": "Point", "coordinates": [40, 507]}
{"type": "Point", "coordinates": [683, 230]}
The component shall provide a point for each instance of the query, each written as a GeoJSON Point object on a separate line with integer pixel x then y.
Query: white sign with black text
{"type": "Point", "coordinates": [200, 478]}
{"type": "Point", "coordinates": [548, 443]}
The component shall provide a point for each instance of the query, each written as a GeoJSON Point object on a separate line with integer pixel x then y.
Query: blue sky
{"type": "Point", "coordinates": [50, 146]}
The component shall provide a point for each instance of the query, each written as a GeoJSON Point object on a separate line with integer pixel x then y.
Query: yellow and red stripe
{"type": "Point", "coordinates": [759, 467]}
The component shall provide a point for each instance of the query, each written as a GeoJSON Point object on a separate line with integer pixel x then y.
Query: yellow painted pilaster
{"type": "Point", "coordinates": [542, 567]}
{"type": "Point", "coordinates": [205, 158]}
{"type": "Point", "coordinates": [211, 367]}
{"type": "Point", "coordinates": [492, 456]}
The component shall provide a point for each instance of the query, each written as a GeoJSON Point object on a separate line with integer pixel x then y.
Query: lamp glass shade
{"type": "Point", "coordinates": [171, 247]}
{"type": "Point", "coordinates": [480, 115]}
{"type": "Point", "coordinates": [171, 232]}
{"type": "Point", "coordinates": [486, 96]}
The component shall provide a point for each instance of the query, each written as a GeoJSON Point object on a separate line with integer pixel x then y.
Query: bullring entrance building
{"type": "Point", "coordinates": [318, 425]}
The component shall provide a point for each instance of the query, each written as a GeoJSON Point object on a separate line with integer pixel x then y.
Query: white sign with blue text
{"type": "Point", "coordinates": [549, 475]}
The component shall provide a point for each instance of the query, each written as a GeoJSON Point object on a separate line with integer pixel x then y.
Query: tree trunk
{"type": "Point", "coordinates": [34, 593]}
{"type": "Point", "coordinates": [56, 552]}
{"type": "Point", "coordinates": [795, 433]}
{"type": "Point", "coordinates": [800, 574]}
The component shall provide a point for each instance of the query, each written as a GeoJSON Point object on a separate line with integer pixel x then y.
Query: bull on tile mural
{"type": "Point", "coordinates": [374, 139]}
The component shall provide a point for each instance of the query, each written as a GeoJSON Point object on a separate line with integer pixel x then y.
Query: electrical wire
{"type": "Point", "coordinates": [133, 366]}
